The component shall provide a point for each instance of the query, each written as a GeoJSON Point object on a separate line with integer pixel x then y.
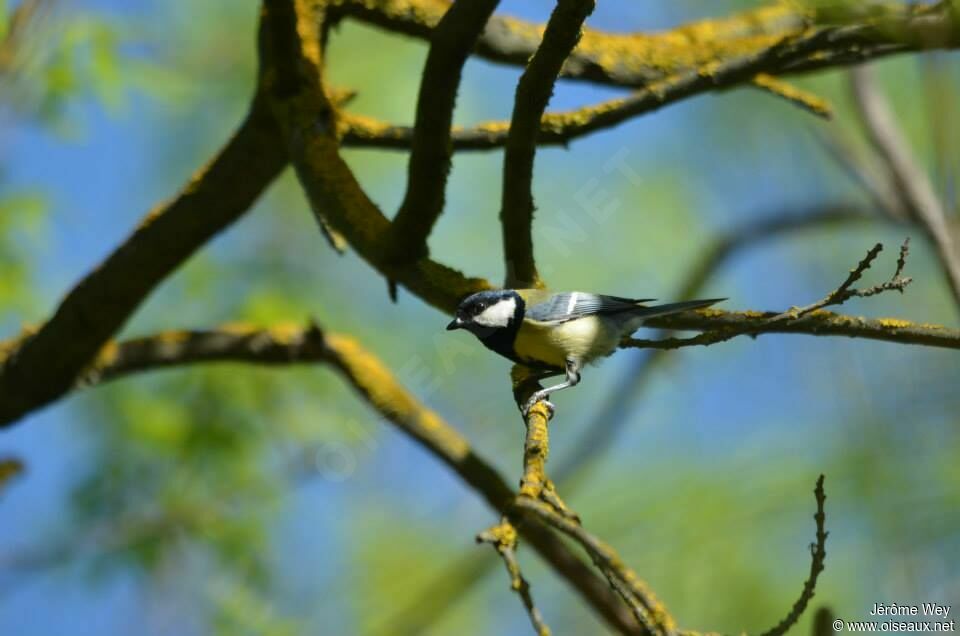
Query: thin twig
{"type": "Point", "coordinates": [784, 322]}
{"type": "Point", "coordinates": [818, 554]}
{"type": "Point", "coordinates": [503, 537]}
{"type": "Point", "coordinates": [845, 291]}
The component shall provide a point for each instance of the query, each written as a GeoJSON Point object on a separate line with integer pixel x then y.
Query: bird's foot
{"type": "Point", "coordinates": [551, 409]}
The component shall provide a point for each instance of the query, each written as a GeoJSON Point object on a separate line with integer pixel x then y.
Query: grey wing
{"type": "Point", "coordinates": [572, 305]}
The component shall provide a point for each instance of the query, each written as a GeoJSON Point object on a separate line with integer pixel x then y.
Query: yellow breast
{"type": "Point", "coordinates": [583, 339]}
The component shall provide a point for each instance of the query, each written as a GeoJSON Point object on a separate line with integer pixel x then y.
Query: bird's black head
{"type": "Point", "coordinates": [487, 312]}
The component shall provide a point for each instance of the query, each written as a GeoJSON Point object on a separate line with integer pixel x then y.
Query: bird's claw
{"type": "Point", "coordinates": [551, 409]}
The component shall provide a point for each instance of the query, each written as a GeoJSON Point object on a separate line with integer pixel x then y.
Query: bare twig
{"type": "Point", "coordinates": [450, 44]}
{"type": "Point", "coordinates": [818, 554]}
{"type": "Point", "coordinates": [533, 93]}
{"type": "Point", "coordinates": [845, 291]}
{"type": "Point", "coordinates": [782, 322]}
{"type": "Point", "coordinates": [503, 537]}
{"type": "Point", "coordinates": [816, 323]}
{"type": "Point", "coordinates": [911, 182]}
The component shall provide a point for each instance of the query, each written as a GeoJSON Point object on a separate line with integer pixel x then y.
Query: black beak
{"type": "Point", "coordinates": [456, 323]}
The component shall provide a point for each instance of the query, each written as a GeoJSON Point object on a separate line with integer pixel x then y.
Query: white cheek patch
{"type": "Point", "coordinates": [497, 315]}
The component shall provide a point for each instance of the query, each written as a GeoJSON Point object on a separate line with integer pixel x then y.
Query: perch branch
{"type": "Point", "coordinates": [817, 323]}
{"type": "Point", "coordinates": [609, 419]}
{"type": "Point", "coordinates": [533, 93]}
{"type": "Point", "coordinates": [289, 344]}
{"type": "Point", "coordinates": [811, 318]}
{"type": "Point", "coordinates": [451, 42]}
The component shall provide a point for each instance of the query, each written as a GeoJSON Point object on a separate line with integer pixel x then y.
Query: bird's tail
{"type": "Point", "coordinates": [673, 308]}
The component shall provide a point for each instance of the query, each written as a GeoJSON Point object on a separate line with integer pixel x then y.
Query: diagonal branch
{"type": "Point", "coordinates": [451, 42]}
{"type": "Point", "coordinates": [307, 118]}
{"type": "Point", "coordinates": [45, 362]}
{"type": "Point", "coordinates": [533, 93]}
{"type": "Point", "coordinates": [910, 181]}
{"type": "Point", "coordinates": [288, 344]}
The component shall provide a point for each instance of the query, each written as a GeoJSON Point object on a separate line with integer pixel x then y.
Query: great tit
{"type": "Point", "coordinates": [556, 333]}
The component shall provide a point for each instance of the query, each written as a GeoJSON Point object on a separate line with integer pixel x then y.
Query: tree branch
{"type": "Point", "coordinates": [638, 60]}
{"type": "Point", "coordinates": [503, 537]}
{"type": "Point", "coordinates": [451, 42]}
{"type": "Point", "coordinates": [817, 323]}
{"type": "Point", "coordinates": [307, 118]}
{"type": "Point", "coordinates": [609, 419]}
{"type": "Point", "coordinates": [533, 93]}
{"type": "Point", "coordinates": [811, 319]}
{"type": "Point", "coordinates": [910, 181]}
{"type": "Point", "coordinates": [818, 553]}
{"type": "Point", "coordinates": [45, 361]}
{"type": "Point", "coordinates": [288, 344]}
{"type": "Point", "coordinates": [556, 129]}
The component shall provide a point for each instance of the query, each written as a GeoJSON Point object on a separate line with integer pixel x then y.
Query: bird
{"type": "Point", "coordinates": [556, 333]}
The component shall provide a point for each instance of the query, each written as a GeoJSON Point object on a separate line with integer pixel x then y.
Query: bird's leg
{"type": "Point", "coordinates": [573, 379]}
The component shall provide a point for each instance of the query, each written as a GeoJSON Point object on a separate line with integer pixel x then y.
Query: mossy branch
{"type": "Point", "coordinates": [292, 344]}
{"type": "Point", "coordinates": [45, 361]}
{"type": "Point", "coordinates": [811, 319]}
{"type": "Point", "coordinates": [530, 102]}
{"type": "Point", "coordinates": [642, 60]}
{"type": "Point", "coordinates": [451, 42]}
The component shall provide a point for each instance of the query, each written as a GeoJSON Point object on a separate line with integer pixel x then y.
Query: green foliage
{"type": "Point", "coordinates": [21, 230]}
